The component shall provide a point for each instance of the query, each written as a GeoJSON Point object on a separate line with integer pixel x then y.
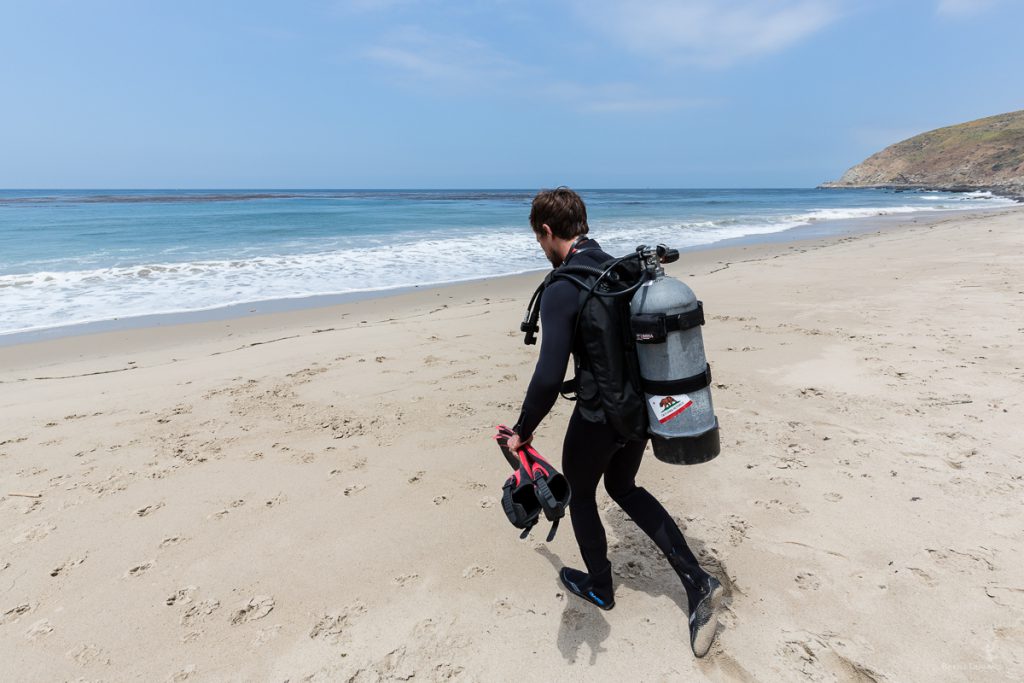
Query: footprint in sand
{"type": "Point", "coordinates": [182, 674]}
{"type": "Point", "coordinates": [962, 561]}
{"type": "Point", "coordinates": [57, 571]}
{"type": "Point", "coordinates": [140, 569]}
{"type": "Point", "coordinates": [486, 503]}
{"type": "Point", "coordinates": [1006, 596]}
{"type": "Point", "coordinates": [460, 409]}
{"type": "Point", "coordinates": [148, 509]}
{"type": "Point", "coordinates": [439, 500]}
{"type": "Point", "coordinates": [395, 666]}
{"type": "Point", "coordinates": [737, 529]}
{"type": "Point", "coordinates": [15, 613]}
{"type": "Point", "coordinates": [790, 463]}
{"type": "Point", "coordinates": [39, 531]}
{"type": "Point", "coordinates": [416, 477]}
{"type": "Point", "coordinates": [87, 653]}
{"type": "Point", "coordinates": [330, 627]}
{"type": "Point", "coordinates": [924, 576]}
{"type": "Point", "coordinates": [182, 596]}
{"type": "Point", "coordinates": [171, 540]}
{"type": "Point", "coordinates": [258, 607]}
{"type": "Point", "coordinates": [264, 636]}
{"type": "Point", "coordinates": [353, 489]}
{"type": "Point", "coordinates": [197, 612]}
{"type": "Point", "coordinates": [476, 570]}
{"type": "Point", "coordinates": [828, 657]}
{"type": "Point", "coordinates": [807, 581]}
{"type": "Point", "coordinates": [631, 569]}
{"type": "Point", "coordinates": [833, 497]}
{"type": "Point", "coordinates": [404, 579]}
{"type": "Point", "coordinates": [39, 629]}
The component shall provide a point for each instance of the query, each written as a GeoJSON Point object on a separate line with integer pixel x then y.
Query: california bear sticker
{"type": "Point", "coordinates": [667, 407]}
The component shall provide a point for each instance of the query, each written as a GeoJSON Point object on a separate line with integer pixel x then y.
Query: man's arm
{"type": "Point", "coordinates": [558, 320]}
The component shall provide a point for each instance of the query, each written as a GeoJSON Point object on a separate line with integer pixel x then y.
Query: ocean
{"type": "Point", "coordinates": [71, 257]}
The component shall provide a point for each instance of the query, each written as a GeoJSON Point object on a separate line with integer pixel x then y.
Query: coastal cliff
{"type": "Point", "coordinates": [986, 154]}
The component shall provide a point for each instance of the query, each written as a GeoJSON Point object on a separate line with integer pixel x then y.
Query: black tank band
{"type": "Point", "coordinates": [653, 329]}
{"type": "Point", "coordinates": [678, 386]}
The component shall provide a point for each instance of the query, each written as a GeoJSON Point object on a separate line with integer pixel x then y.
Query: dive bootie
{"type": "Point", "coordinates": [596, 590]}
{"type": "Point", "coordinates": [704, 594]}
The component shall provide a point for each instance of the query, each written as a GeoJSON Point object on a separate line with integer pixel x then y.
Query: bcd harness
{"type": "Point", "coordinates": [607, 384]}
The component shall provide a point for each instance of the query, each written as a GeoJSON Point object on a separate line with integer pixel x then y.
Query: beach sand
{"type": "Point", "coordinates": [314, 495]}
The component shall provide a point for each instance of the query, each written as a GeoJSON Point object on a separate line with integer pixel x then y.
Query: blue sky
{"type": "Point", "coordinates": [494, 93]}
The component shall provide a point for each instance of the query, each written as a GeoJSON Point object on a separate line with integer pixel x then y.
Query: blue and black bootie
{"type": "Point", "coordinates": [595, 588]}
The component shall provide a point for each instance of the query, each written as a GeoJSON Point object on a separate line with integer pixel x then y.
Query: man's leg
{"type": "Point", "coordinates": [586, 451]}
{"type": "Point", "coordinates": [703, 592]}
{"type": "Point", "coordinates": [645, 510]}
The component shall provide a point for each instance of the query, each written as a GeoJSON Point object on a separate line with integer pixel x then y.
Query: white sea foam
{"type": "Point", "coordinates": [52, 298]}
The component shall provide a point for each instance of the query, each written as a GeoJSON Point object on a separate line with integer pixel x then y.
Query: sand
{"type": "Point", "coordinates": [313, 495]}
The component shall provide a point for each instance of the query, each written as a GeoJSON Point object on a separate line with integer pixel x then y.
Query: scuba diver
{"type": "Point", "coordinates": [593, 447]}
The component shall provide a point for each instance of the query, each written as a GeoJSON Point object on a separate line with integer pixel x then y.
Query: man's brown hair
{"type": "Point", "coordinates": [562, 210]}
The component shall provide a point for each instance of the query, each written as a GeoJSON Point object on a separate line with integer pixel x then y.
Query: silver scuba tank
{"type": "Point", "coordinates": [676, 377]}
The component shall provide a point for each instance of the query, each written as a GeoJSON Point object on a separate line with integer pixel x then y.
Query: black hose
{"type": "Point", "coordinates": [592, 290]}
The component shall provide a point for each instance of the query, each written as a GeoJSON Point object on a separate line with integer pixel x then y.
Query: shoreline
{"type": "Point", "coordinates": [1014, 192]}
{"type": "Point", "coordinates": [820, 230]}
{"type": "Point", "coordinates": [156, 342]}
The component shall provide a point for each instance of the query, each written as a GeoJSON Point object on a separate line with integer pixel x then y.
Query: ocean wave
{"type": "Point", "coordinates": [53, 297]}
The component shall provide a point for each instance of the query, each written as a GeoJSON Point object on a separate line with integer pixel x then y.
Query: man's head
{"type": "Point", "coordinates": [558, 217]}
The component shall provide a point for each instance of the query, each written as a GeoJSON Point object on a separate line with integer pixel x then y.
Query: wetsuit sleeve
{"type": "Point", "coordinates": [557, 320]}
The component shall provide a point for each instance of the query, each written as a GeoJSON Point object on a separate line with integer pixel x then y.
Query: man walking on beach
{"type": "Point", "coordinates": [592, 448]}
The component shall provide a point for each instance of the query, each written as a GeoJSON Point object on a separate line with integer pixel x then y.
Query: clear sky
{"type": "Point", "coordinates": [487, 94]}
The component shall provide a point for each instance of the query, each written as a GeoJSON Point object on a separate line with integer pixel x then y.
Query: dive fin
{"type": "Point", "coordinates": [534, 487]}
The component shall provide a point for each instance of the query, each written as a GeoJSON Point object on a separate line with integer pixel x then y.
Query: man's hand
{"type": "Point", "coordinates": [514, 442]}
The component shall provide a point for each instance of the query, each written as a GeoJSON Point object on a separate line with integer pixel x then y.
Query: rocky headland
{"type": "Point", "coordinates": [986, 154]}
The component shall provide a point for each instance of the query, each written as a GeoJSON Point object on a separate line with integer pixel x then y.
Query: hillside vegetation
{"type": "Point", "coordinates": [987, 154]}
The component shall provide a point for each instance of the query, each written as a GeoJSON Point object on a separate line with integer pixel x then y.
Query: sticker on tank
{"type": "Point", "coordinates": [667, 407]}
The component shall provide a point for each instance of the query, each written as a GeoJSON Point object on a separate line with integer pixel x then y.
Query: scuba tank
{"type": "Point", "coordinates": [645, 370]}
{"type": "Point", "coordinates": [675, 375]}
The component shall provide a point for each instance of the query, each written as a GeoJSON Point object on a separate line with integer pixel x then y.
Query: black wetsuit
{"type": "Point", "coordinates": [591, 449]}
